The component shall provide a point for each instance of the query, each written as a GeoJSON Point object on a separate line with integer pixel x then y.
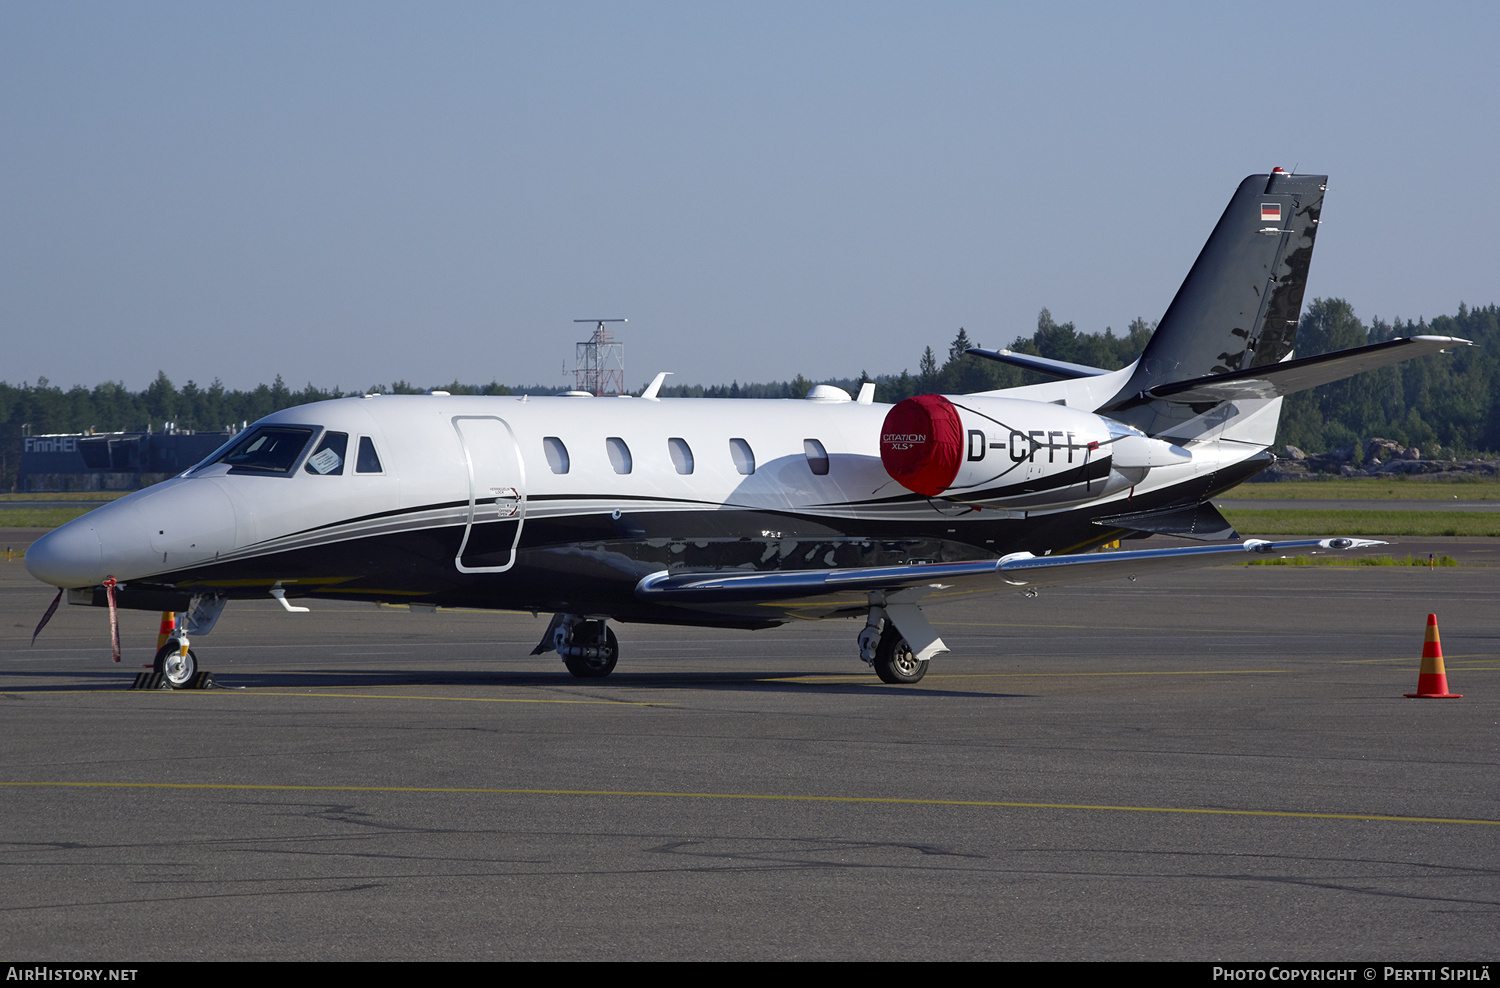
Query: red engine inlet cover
{"type": "Point", "coordinates": [922, 444]}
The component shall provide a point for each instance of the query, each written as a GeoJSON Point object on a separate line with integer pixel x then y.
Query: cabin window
{"type": "Point", "coordinates": [743, 456]}
{"type": "Point", "coordinates": [368, 461]}
{"type": "Point", "coordinates": [269, 449]}
{"type": "Point", "coordinates": [619, 454]}
{"type": "Point", "coordinates": [682, 455]}
{"type": "Point", "coordinates": [817, 456]}
{"type": "Point", "coordinates": [557, 454]}
{"type": "Point", "coordinates": [328, 458]}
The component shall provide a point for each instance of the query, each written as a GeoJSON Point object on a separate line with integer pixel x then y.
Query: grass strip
{"type": "Point", "coordinates": [38, 517]}
{"type": "Point", "coordinates": [1368, 489]}
{"type": "Point", "coordinates": [1300, 521]}
{"type": "Point", "coordinates": [1410, 560]}
{"type": "Point", "coordinates": [65, 496]}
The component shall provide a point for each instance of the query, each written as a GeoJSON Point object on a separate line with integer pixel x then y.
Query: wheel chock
{"type": "Point", "coordinates": [202, 681]}
{"type": "Point", "coordinates": [1432, 680]}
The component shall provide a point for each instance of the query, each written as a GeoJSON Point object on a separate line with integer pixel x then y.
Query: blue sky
{"type": "Point", "coordinates": [351, 193]}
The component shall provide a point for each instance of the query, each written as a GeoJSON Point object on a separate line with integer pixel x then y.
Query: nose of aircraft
{"type": "Point", "coordinates": [70, 556]}
{"type": "Point", "coordinates": [174, 524]}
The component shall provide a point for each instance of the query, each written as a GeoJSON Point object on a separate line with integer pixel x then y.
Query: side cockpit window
{"type": "Point", "coordinates": [368, 460]}
{"type": "Point", "coordinates": [270, 449]}
{"type": "Point", "coordinates": [328, 458]}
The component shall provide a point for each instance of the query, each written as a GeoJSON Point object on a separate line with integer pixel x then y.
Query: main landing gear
{"type": "Point", "coordinates": [895, 662]}
{"type": "Point", "coordinates": [897, 641]}
{"type": "Point", "coordinates": [588, 647]}
{"type": "Point", "coordinates": [886, 650]}
{"type": "Point", "coordinates": [898, 654]}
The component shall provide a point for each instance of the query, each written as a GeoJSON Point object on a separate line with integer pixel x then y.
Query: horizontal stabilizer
{"type": "Point", "coordinates": [1044, 365]}
{"type": "Point", "coordinates": [1288, 377]}
{"type": "Point", "coordinates": [1019, 570]}
{"type": "Point", "coordinates": [1200, 521]}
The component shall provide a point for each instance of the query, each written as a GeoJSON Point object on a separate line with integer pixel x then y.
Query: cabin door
{"type": "Point", "coordinates": [497, 494]}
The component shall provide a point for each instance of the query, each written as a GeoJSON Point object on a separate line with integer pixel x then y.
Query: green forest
{"type": "Point", "coordinates": [1447, 405]}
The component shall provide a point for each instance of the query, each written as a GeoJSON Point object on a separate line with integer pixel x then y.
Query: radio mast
{"type": "Point", "coordinates": [600, 361]}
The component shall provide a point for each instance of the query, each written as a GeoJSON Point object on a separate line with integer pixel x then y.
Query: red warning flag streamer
{"type": "Point", "coordinates": [114, 618]}
{"type": "Point", "coordinates": [46, 617]}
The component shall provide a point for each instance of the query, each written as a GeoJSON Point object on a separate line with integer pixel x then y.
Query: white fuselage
{"type": "Point", "coordinates": [525, 489]}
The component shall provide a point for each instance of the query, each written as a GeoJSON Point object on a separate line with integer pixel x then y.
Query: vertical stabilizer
{"type": "Point", "coordinates": [1240, 303]}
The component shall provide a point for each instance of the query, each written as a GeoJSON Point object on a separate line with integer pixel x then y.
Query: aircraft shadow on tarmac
{"type": "Point", "coordinates": [324, 679]}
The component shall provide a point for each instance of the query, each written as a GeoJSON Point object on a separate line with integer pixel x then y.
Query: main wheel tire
{"type": "Point", "coordinates": [896, 663]}
{"type": "Point", "coordinates": [596, 668]}
{"type": "Point", "coordinates": [178, 669]}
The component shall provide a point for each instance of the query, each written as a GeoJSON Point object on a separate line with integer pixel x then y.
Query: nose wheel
{"type": "Point", "coordinates": [175, 665]}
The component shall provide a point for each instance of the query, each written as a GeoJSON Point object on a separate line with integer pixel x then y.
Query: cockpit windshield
{"type": "Point", "coordinates": [268, 449]}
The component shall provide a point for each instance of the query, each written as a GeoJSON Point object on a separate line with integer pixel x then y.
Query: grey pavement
{"type": "Point", "coordinates": [1215, 765]}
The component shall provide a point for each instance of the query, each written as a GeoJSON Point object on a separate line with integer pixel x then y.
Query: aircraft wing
{"type": "Point", "coordinates": [1016, 570]}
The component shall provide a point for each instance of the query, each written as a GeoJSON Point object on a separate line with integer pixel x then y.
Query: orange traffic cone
{"type": "Point", "coordinates": [163, 632]}
{"type": "Point", "coordinates": [168, 625]}
{"type": "Point", "coordinates": [1432, 681]}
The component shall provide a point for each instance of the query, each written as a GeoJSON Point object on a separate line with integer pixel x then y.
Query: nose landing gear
{"type": "Point", "coordinates": [176, 663]}
{"type": "Point", "coordinates": [588, 648]}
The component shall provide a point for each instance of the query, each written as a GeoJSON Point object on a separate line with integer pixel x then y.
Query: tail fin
{"type": "Point", "coordinates": [1239, 306]}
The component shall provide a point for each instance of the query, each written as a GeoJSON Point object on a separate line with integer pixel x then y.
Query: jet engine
{"type": "Point", "coordinates": [1018, 452]}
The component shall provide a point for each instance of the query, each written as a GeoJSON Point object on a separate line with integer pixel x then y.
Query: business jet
{"type": "Point", "coordinates": [749, 513]}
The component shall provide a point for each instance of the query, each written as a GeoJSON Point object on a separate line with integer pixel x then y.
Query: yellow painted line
{"type": "Point", "coordinates": [1174, 629]}
{"type": "Point", "coordinates": [1036, 675]}
{"type": "Point", "coordinates": [1415, 659]}
{"type": "Point", "coordinates": [351, 696]}
{"type": "Point", "coordinates": [462, 699]}
{"type": "Point", "coordinates": [766, 797]}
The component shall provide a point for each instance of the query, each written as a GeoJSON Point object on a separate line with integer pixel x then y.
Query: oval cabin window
{"type": "Point", "coordinates": [557, 454]}
{"type": "Point", "coordinates": [619, 454]}
{"type": "Point", "coordinates": [743, 456]}
{"type": "Point", "coordinates": [682, 455]}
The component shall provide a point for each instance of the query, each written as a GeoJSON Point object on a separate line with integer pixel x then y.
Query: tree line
{"type": "Point", "coordinates": [1448, 405]}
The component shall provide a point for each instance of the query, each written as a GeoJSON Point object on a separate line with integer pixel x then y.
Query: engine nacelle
{"type": "Point", "coordinates": [1014, 451]}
